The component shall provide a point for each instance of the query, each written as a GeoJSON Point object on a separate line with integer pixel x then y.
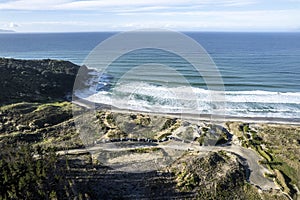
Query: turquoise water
{"type": "Point", "coordinates": [260, 71]}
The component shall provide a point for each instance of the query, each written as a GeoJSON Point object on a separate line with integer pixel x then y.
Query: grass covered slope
{"type": "Point", "coordinates": [217, 175]}
{"type": "Point", "coordinates": [279, 147]}
{"type": "Point", "coordinates": [46, 124]}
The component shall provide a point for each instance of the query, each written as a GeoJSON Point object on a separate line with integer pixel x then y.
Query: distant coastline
{"type": "Point", "coordinates": [6, 31]}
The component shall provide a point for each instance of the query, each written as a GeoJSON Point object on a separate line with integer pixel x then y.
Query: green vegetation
{"type": "Point", "coordinates": [285, 168]}
{"type": "Point", "coordinates": [64, 105]}
{"type": "Point", "coordinates": [169, 123]}
{"type": "Point", "coordinates": [278, 146]}
{"type": "Point", "coordinates": [35, 80]}
{"type": "Point", "coordinates": [110, 118]}
{"type": "Point", "coordinates": [201, 139]}
{"type": "Point", "coordinates": [33, 116]}
{"type": "Point", "coordinates": [163, 136]}
{"type": "Point", "coordinates": [245, 128]}
{"type": "Point", "coordinates": [56, 130]}
{"type": "Point", "coordinates": [48, 125]}
{"type": "Point", "coordinates": [263, 153]}
{"type": "Point", "coordinates": [27, 173]}
{"type": "Point", "coordinates": [145, 150]}
{"type": "Point", "coordinates": [207, 178]}
{"type": "Point", "coordinates": [142, 120]}
{"type": "Point", "coordinates": [205, 129]}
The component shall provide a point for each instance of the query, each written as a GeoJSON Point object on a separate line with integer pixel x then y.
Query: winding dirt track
{"type": "Point", "coordinates": [248, 157]}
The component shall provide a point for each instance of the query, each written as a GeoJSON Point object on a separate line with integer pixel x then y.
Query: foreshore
{"type": "Point", "coordinates": [189, 116]}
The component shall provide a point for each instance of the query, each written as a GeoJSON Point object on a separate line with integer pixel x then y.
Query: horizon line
{"type": "Point", "coordinates": [182, 31]}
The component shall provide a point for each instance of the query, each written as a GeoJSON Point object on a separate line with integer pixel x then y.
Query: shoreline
{"type": "Point", "coordinates": [190, 117]}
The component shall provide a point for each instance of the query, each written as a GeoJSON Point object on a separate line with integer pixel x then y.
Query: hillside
{"type": "Point", "coordinates": [35, 80]}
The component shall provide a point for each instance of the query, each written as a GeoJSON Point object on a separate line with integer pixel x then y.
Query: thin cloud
{"type": "Point", "coordinates": [12, 25]}
{"type": "Point", "coordinates": [213, 20]}
{"type": "Point", "coordinates": [216, 20]}
{"type": "Point", "coordinates": [126, 15]}
{"type": "Point", "coordinates": [112, 4]}
{"type": "Point", "coordinates": [31, 4]}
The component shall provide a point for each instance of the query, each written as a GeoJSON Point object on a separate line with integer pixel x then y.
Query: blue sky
{"type": "Point", "coordinates": [119, 15]}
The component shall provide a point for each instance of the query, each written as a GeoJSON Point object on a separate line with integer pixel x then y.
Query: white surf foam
{"type": "Point", "coordinates": [151, 97]}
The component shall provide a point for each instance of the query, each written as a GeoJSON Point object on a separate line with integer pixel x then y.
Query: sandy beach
{"type": "Point", "coordinates": [190, 117]}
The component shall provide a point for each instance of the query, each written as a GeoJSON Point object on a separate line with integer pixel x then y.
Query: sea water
{"type": "Point", "coordinates": [260, 71]}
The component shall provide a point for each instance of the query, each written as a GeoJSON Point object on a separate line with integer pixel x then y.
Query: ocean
{"type": "Point", "coordinates": [260, 71]}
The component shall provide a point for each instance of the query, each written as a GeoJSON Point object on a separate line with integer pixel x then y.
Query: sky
{"type": "Point", "coordinates": [122, 15]}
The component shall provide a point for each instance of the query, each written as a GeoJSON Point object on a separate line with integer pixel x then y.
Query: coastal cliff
{"type": "Point", "coordinates": [35, 80]}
